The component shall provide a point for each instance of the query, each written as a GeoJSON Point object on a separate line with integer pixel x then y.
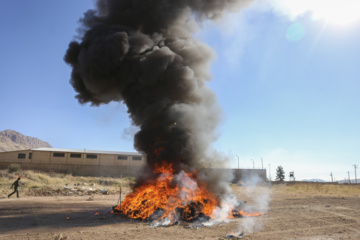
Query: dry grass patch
{"type": "Point", "coordinates": [35, 183]}
{"type": "Point", "coordinates": [305, 188]}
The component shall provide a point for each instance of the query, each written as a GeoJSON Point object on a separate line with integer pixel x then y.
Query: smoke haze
{"type": "Point", "coordinates": [142, 52]}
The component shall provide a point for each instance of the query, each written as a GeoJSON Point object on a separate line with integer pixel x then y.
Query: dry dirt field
{"type": "Point", "coordinates": [295, 211]}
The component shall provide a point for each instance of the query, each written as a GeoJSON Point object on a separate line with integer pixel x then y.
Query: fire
{"type": "Point", "coordinates": [169, 196]}
{"type": "Point", "coordinates": [241, 213]}
{"type": "Point", "coordinates": [174, 196]}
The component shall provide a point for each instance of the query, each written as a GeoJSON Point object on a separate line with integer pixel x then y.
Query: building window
{"type": "Point", "coordinates": [94, 156]}
{"type": "Point", "coordinates": [21, 156]}
{"type": "Point", "coordinates": [30, 155]}
{"type": "Point", "coordinates": [122, 157]}
{"type": "Point", "coordinates": [58, 154]}
{"type": "Point", "coordinates": [75, 155]}
{"type": "Point", "coordinates": [137, 158]}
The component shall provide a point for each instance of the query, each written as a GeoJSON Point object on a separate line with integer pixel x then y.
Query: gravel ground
{"type": "Point", "coordinates": [290, 216]}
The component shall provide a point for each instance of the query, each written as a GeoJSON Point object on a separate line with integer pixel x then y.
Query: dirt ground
{"type": "Point", "coordinates": [290, 216]}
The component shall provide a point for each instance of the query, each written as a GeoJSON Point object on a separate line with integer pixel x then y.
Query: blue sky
{"type": "Point", "coordinates": [288, 86]}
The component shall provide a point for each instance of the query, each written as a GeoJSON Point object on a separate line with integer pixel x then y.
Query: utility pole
{"type": "Point", "coordinates": [238, 162]}
{"type": "Point", "coordinates": [355, 167]}
{"type": "Point", "coordinates": [253, 164]}
{"type": "Point", "coordinates": [269, 174]}
{"type": "Point", "coordinates": [349, 177]}
{"type": "Point", "coordinates": [262, 165]}
{"type": "Point", "coordinates": [332, 180]}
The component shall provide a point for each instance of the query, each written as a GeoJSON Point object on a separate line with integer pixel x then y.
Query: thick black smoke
{"type": "Point", "coordinates": [142, 52]}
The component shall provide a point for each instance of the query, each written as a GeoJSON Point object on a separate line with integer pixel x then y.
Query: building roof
{"type": "Point", "coordinates": [84, 151]}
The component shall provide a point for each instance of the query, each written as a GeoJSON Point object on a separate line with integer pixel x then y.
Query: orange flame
{"type": "Point", "coordinates": [173, 196]}
{"type": "Point", "coordinates": [188, 197]}
{"type": "Point", "coordinates": [242, 213]}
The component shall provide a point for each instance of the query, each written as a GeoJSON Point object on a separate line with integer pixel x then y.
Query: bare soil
{"type": "Point", "coordinates": [290, 216]}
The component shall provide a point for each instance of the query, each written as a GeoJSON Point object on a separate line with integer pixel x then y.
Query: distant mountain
{"type": "Point", "coordinates": [11, 140]}
{"type": "Point", "coordinates": [313, 180]}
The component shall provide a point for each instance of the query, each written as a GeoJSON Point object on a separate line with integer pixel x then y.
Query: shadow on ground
{"type": "Point", "coordinates": [19, 214]}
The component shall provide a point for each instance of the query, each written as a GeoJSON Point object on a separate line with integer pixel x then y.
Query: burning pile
{"type": "Point", "coordinates": [142, 53]}
{"type": "Point", "coordinates": [173, 198]}
{"type": "Point", "coordinates": [170, 196]}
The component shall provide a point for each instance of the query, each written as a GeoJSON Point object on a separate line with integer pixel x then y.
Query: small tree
{"type": "Point", "coordinates": [280, 174]}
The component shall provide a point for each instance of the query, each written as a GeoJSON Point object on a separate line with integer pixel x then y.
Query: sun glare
{"type": "Point", "coordinates": [340, 12]}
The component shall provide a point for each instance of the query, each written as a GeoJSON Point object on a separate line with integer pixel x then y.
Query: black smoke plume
{"type": "Point", "coordinates": [143, 52]}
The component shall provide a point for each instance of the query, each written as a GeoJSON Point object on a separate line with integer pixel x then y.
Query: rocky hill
{"type": "Point", "coordinates": [11, 140]}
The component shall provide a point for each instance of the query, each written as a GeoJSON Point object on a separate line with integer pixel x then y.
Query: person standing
{"type": "Point", "coordinates": [16, 186]}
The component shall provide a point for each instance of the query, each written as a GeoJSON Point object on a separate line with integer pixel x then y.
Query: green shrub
{"type": "Point", "coordinates": [14, 168]}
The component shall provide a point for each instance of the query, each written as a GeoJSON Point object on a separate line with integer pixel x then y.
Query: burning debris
{"type": "Point", "coordinates": [185, 198]}
{"type": "Point", "coordinates": [173, 198]}
{"type": "Point", "coordinates": [242, 213]}
{"type": "Point", "coordinates": [142, 53]}
{"type": "Point", "coordinates": [235, 235]}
